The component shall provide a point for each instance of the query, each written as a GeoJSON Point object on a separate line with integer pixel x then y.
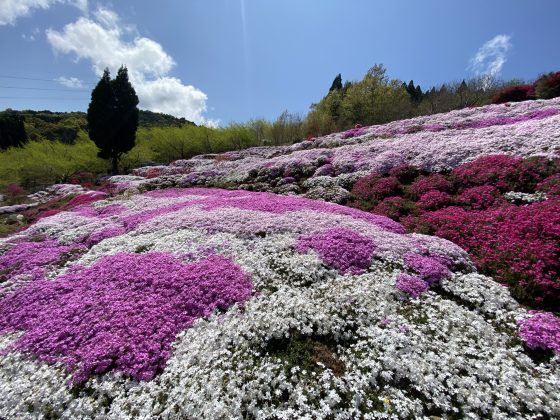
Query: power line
{"type": "Point", "coordinates": [33, 88]}
{"type": "Point", "coordinates": [47, 99]}
{"type": "Point", "coordinates": [3, 76]}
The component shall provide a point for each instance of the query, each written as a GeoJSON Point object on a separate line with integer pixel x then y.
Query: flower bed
{"type": "Point", "coordinates": [490, 207]}
{"type": "Point", "coordinates": [206, 303]}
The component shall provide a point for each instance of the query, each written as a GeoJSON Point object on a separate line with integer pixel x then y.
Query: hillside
{"type": "Point", "coordinates": [64, 126]}
{"type": "Point", "coordinates": [227, 285]}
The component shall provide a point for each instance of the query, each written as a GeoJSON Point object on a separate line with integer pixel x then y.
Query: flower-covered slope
{"type": "Point", "coordinates": [207, 303]}
{"type": "Point", "coordinates": [323, 167]}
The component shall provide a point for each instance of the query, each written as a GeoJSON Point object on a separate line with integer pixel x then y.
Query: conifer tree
{"type": "Point", "coordinates": [113, 116]}
{"type": "Point", "coordinates": [337, 83]}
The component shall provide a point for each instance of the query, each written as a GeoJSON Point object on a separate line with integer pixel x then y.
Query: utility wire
{"type": "Point", "coordinates": [33, 88]}
{"type": "Point", "coordinates": [3, 76]}
{"type": "Point", "coordinates": [47, 99]}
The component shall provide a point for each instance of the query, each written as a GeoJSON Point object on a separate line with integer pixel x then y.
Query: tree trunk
{"type": "Point", "coordinates": [115, 165]}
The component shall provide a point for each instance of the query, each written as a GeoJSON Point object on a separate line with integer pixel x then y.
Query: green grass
{"type": "Point", "coordinates": [41, 163]}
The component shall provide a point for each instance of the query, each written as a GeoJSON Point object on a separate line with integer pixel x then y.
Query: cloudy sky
{"type": "Point", "coordinates": [232, 60]}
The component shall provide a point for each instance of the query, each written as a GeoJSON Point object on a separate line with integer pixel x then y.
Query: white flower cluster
{"type": "Point", "coordinates": [524, 198]}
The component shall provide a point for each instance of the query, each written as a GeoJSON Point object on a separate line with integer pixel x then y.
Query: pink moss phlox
{"type": "Point", "coordinates": [411, 285]}
{"type": "Point", "coordinates": [340, 248]}
{"type": "Point", "coordinates": [506, 120]}
{"type": "Point", "coordinates": [541, 331]}
{"type": "Point", "coordinates": [430, 269]}
{"type": "Point", "coordinates": [34, 258]}
{"type": "Point", "coordinates": [257, 201]}
{"type": "Point", "coordinates": [98, 236]}
{"type": "Point", "coordinates": [101, 212]}
{"type": "Point", "coordinates": [353, 132]}
{"type": "Point", "coordinates": [87, 198]}
{"type": "Point", "coordinates": [121, 314]}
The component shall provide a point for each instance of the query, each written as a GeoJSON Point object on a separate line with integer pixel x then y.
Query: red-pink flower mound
{"type": "Point", "coordinates": [394, 207]}
{"type": "Point", "coordinates": [497, 170]}
{"type": "Point", "coordinates": [340, 248]}
{"type": "Point", "coordinates": [121, 314]}
{"type": "Point", "coordinates": [504, 172]}
{"type": "Point", "coordinates": [517, 93]}
{"type": "Point", "coordinates": [550, 185]}
{"type": "Point", "coordinates": [541, 331]}
{"type": "Point", "coordinates": [433, 200]}
{"type": "Point", "coordinates": [518, 245]}
{"type": "Point", "coordinates": [411, 285]}
{"type": "Point", "coordinates": [423, 184]}
{"type": "Point", "coordinates": [374, 188]}
{"type": "Point", "coordinates": [480, 198]}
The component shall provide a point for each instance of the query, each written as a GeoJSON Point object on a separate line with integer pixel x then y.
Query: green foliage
{"type": "Point", "coordinates": [12, 130]}
{"type": "Point", "coordinates": [548, 86]}
{"type": "Point", "coordinates": [113, 116]}
{"type": "Point", "coordinates": [41, 163]}
{"type": "Point", "coordinates": [151, 119]}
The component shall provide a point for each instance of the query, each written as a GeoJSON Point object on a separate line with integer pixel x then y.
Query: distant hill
{"type": "Point", "coordinates": [64, 126]}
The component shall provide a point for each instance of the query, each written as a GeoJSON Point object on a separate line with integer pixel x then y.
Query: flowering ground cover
{"type": "Point", "coordinates": [503, 210]}
{"type": "Point", "coordinates": [209, 303]}
{"type": "Point", "coordinates": [326, 167]}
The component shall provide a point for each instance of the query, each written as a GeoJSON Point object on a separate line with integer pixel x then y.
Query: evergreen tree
{"type": "Point", "coordinates": [12, 130]}
{"type": "Point", "coordinates": [113, 116]}
{"type": "Point", "coordinates": [337, 83]}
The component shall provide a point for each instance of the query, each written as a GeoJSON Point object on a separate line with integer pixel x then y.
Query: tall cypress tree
{"type": "Point", "coordinates": [12, 130]}
{"type": "Point", "coordinates": [337, 83]}
{"type": "Point", "coordinates": [113, 116]}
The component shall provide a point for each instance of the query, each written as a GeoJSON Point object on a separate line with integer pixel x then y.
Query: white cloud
{"type": "Point", "coordinates": [71, 82]}
{"type": "Point", "coordinates": [491, 57]}
{"type": "Point", "coordinates": [11, 10]}
{"type": "Point", "coordinates": [101, 40]}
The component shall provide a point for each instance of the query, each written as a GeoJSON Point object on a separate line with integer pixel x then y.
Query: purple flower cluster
{"type": "Point", "coordinates": [506, 120]}
{"type": "Point", "coordinates": [411, 285]}
{"type": "Point", "coordinates": [430, 269]}
{"type": "Point", "coordinates": [343, 249]}
{"type": "Point", "coordinates": [353, 132]}
{"type": "Point", "coordinates": [33, 258]}
{"type": "Point", "coordinates": [121, 314]}
{"type": "Point", "coordinates": [542, 331]}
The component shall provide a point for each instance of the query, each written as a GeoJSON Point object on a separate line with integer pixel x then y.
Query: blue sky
{"type": "Point", "coordinates": [232, 60]}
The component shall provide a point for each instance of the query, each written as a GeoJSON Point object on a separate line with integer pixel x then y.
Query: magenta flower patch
{"type": "Point", "coordinates": [431, 269]}
{"type": "Point", "coordinates": [542, 331]}
{"type": "Point", "coordinates": [411, 285]}
{"type": "Point", "coordinates": [33, 258]}
{"type": "Point", "coordinates": [343, 249]}
{"type": "Point", "coordinates": [121, 314]}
